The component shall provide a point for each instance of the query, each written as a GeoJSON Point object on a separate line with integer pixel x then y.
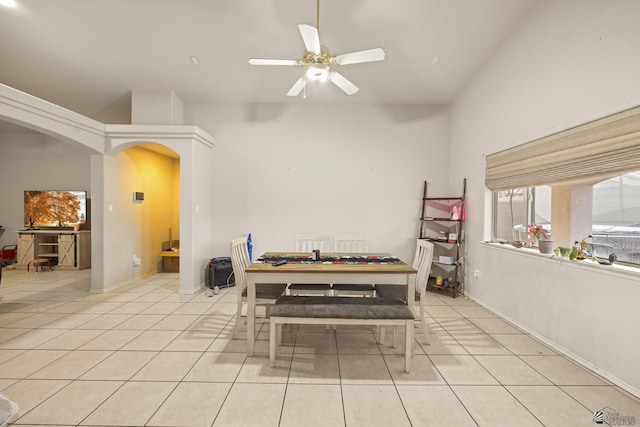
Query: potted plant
{"type": "Point", "coordinates": [536, 233]}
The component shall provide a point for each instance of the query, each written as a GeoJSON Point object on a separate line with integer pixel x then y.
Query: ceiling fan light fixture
{"type": "Point", "coordinates": [318, 62]}
{"type": "Point", "coordinates": [317, 72]}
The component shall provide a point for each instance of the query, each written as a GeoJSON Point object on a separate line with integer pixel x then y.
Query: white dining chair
{"type": "Point", "coordinates": [422, 263]}
{"type": "Point", "coordinates": [309, 243]}
{"type": "Point", "coordinates": [266, 293]}
{"type": "Point", "coordinates": [352, 244]}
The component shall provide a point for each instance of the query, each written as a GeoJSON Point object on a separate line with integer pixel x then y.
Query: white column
{"type": "Point", "coordinates": [571, 213]}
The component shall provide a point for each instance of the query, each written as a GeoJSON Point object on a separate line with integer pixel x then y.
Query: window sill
{"type": "Point", "coordinates": [619, 270]}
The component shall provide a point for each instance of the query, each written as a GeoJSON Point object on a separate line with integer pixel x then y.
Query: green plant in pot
{"type": "Point", "coordinates": [537, 234]}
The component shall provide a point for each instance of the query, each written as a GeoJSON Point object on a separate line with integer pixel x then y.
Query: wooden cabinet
{"type": "Point", "coordinates": [25, 248]}
{"type": "Point", "coordinates": [442, 223]}
{"type": "Point", "coordinates": [67, 249]}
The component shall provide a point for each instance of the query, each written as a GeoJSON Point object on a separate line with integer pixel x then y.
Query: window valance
{"type": "Point", "coordinates": [606, 147]}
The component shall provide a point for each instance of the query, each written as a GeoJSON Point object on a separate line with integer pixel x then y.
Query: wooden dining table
{"type": "Point", "coordinates": [369, 268]}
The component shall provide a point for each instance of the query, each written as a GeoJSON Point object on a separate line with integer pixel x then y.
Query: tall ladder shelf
{"type": "Point", "coordinates": [442, 222]}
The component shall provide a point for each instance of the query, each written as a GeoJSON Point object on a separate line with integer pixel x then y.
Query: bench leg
{"type": "Point", "coordinates": [408, 349]}
{"type": "Point", "coordinates": [272, 342]}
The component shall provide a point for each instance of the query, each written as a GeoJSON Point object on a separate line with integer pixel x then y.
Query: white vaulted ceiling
{"type": "Point", "coordinates": [88, 55]}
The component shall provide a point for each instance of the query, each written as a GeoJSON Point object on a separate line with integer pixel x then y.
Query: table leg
{"type": "Point", "coordinates": [251, 313]}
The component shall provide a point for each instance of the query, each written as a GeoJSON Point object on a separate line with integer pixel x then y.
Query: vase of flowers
{"type": "Point", "coordinates": [536, 233]}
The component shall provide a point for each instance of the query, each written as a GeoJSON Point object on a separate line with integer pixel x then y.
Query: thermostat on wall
{"type": "Point", "coordinates": [138, 196]}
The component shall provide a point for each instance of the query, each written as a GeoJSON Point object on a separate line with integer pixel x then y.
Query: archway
{"type": "Point", "coordinates": [155, 206]}
{"type": "Point", "coordinates": [193, 147]}
{"type": "Point", "coordinates": [109, 239]}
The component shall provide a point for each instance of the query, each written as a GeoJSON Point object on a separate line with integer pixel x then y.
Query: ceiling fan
{"type": "Point", "coordinates": [317, 62]}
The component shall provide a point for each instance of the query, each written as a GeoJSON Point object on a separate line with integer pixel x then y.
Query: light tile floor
{"type": "Point", "coordinates": [144, 355]}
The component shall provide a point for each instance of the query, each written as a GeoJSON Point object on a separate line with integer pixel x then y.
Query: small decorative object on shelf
{"type": "Point", "coordinates": [448, 260]}
{"type": "Point", "coordinates": [442, 222]}
{"type": "Point", "coordinates": [537, 233]}
{"type": "Point", "coordinates": [583, 250]}
{"type": "Point", "coordinates": [455, 214]}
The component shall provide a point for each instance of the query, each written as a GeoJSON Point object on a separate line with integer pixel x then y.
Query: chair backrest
{"type": "Point", "coordinates": [239, 262]}
{"type": "Point", "coordinates": [422, 264]}
{"type": "Point", "coordinates": [309, 242]}
{"type": "Point", "coordinates": [351, 243]}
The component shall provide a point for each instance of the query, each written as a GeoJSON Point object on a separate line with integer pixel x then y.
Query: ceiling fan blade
{"type": "Point", "coordinates": [297, 87]}
{"type": "Point", "coordinates": [369, 55]}
{"type": "Point", "coordinates": [254, 61]}
{"type": "Point", "coordinates": [310, 37]}
{"type": "Point", "coordinates": [344, 84]}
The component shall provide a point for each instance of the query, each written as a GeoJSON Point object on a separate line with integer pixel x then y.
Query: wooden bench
{"type": "Point", "coordinates": [333, 310]}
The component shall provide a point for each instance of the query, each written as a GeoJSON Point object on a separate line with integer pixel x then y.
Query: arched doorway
{"type": "Point", "coordinates": [192, 208]}
{"type": "Point", "coordinates": [155, 203]}
{"type": "Point", "coordinates": [112, 245]}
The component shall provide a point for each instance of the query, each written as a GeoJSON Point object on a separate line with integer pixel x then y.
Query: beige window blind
{"type": "Point", "coordinates": [603, 148]}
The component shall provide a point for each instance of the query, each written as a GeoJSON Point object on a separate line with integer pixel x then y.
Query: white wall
{"type": "Point", "coordinates": [280, 170]}
{"type": "Point", "coordinates": [123, 225]}
{"type": "Point", "coordinates": [567, 63]}
{"type": "Point", "coordinates": [200, 208]}
{"type": "Point", "coordinates": [36, 162]}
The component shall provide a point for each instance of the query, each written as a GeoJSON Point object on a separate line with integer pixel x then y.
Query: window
{"type": "Point", "coordinates": [616, 218]}
{"type": "Point", "coordinates": [514, 209]}
{"type": "Point", "coordinates": [594, 173]}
